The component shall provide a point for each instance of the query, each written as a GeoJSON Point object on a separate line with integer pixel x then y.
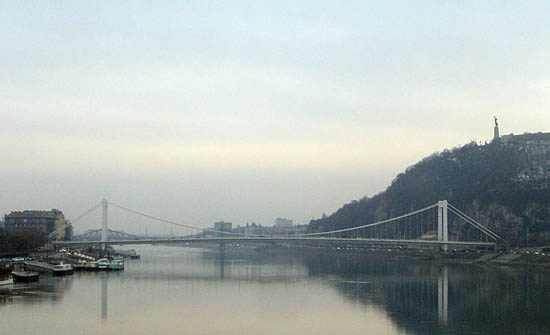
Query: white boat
{"type": "Point", "coordinates": [110, 263]}
{"type": "Point", "coordinates": [117, 264]}
{"type": "Point", "coordinates": [63, 269]}
{"type": "Point", "coordinates": [102, 264]}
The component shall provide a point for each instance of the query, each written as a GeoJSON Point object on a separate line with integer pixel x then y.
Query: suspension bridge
{"type": "Point", "coordinates": [440, 226]}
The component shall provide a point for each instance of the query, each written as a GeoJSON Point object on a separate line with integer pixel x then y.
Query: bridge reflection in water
{"type": "Point", "coordinates": [412, 295]}
{"type": "Point", "coordinates": [104, 296]}
{"type": "Point", "coordinates": [443, 295]}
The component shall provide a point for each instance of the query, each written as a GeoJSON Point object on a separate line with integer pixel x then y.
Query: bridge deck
{"type": "Point", "coordinates": [270, 239]}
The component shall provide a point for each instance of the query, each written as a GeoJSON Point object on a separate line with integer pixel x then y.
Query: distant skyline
{"type": "Point", "coordinates": [247, 111]}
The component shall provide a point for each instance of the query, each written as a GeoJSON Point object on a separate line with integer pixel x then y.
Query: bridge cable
{"type": "Point", "coordinates": [372, 224]}
{"type": "Point", "coordinates": [86, 212]}
{"type": "Point", "coordinates": [176, 223]}
{"type": "Point", "coordinates": [472, 222]}
{"type": "Point", "coordinates": [477, 226]}
{"type": "Point", "coordinates": [298, 235]}
{"type": "Point", "coordinates": [408, 215]}
{"type": "Point", "coordinates": [81, 215]}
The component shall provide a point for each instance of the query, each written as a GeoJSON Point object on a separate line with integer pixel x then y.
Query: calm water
{"type": "Point", "coordinates": [174, 290]}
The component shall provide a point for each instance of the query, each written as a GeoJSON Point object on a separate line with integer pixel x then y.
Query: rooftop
{"type": "Point", "coordinates": [35, 213]}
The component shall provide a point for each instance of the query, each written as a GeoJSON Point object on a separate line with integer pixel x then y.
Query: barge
{"type": "Point", "coordinates": [24, 276]}
{"type": "Point", "coordinates": [55, 269]}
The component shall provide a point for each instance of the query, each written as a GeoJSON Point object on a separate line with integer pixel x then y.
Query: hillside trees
{"type": "Point", "coordinates": [478, 179]}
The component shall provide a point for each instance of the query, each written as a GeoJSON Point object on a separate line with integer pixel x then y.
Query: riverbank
{"type": "Point", "coordinates": [531, 259]}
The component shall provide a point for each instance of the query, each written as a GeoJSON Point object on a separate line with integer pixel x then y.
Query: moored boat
{"type": "Point", "coordinates": [55, 269]}
{"type": "Point", "coordinates": [63, 269]}
{"type": "Point", "coordinates": [132, 254]}
{"type": "Point", "coordinates": [110, 263]}
{"type": "Point", "coordinates": [85, 266]}
{"type": "Point", "coordinates": [6, 281]}
{"type": "Point", "coordinates": [5, 271]}
{"type": "Point", "coordinates": [24, 276]}
{"type": "Point", "coordinates": [117, 264]}
{"type": "Point", "coordinates": [102, 264]}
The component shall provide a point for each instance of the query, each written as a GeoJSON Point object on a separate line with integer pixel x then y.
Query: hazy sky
{"type": "Point", "coordinates": [199, 111]}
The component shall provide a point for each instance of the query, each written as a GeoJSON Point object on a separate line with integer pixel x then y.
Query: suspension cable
{"type": "Point", "coordinates": [476, 225]}
{"type": "Point", "coordinates": [86, 212]}
{"type": "Point", "coordinates": [176, 223]}
{"type": "Point", "coordinates": [372, 224]}
{"type": "Point", "coordinates": [486, 230]}
{"type": "Point", "coordinates": [298, 235]}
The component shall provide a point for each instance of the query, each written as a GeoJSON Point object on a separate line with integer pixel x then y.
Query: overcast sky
{"type": "Point", "coordinates": [243, 111]}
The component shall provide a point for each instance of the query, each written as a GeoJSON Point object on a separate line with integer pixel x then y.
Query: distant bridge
{"type": "Point", "coordinates": [95, 235]}
{"type": "Point", "coordinates": [426, 227]}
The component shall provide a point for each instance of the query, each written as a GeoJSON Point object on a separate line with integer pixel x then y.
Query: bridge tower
{"type": "Point", "coordinates": [104, 205]}
{"type": "Point", "coordinates": [442, 223]}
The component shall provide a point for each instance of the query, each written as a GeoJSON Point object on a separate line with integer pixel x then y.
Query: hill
{"type": "Point", "coordinates": [505, 185]}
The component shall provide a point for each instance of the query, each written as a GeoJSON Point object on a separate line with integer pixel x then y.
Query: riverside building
{"type": "Point", "coordinates": [52, 223]}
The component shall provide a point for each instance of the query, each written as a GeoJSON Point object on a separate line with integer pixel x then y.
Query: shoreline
{"type": "Point", "coordinates": [493, 258]}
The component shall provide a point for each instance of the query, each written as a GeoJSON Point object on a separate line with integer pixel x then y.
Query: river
{"type": "Point", "coordinates": [176, 290]}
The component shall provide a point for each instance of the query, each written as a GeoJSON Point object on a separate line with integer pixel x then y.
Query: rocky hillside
{"type": "Point", "coordinates": [504, 184]}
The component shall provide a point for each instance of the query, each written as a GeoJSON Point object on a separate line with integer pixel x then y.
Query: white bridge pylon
{"type": "Point", "coordinates": [104, 228]}
{"type": "Point", "coordinates": [362, 231]}
{"type": "Point", "coordinates": [443, 222]}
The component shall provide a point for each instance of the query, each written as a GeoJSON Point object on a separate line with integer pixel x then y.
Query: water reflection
{"type": "Point", "coordinates": [455, 299]}
{"type": "Point", "coordinates": [222, 260]}
{"type": "Point", "coordinates": [443, 296]}
{"type": "Point", "coordinates": [49, 289]}
{"type": "Point", "coordinates": [104, 296]}
{"type": "Point", "coordinates": [104, 283]}
{"type": "Point", "coordinates": [416, 297]}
